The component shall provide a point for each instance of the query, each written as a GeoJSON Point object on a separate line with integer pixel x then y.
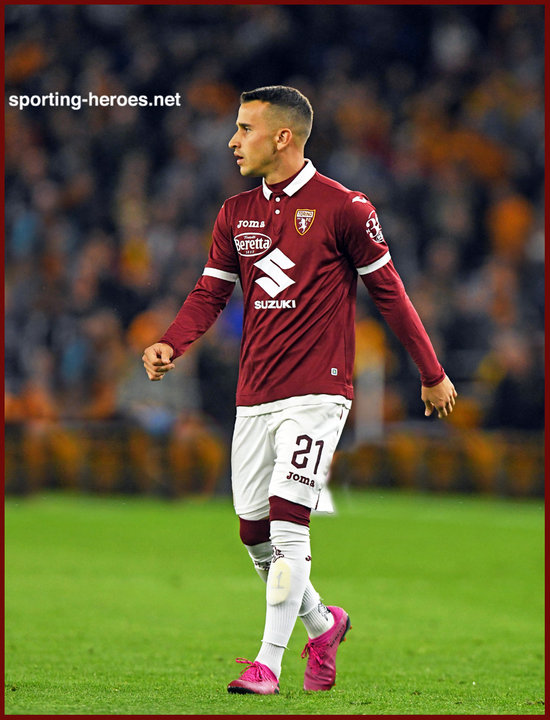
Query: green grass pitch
{"type": "Point", "coordinates": [123, 606]}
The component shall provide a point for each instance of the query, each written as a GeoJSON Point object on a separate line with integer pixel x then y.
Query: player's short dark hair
{"type": "Point", "coordinates": [297, 105]}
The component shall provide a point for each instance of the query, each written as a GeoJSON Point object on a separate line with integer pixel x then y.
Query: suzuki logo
{"type": "Point", "coordinates": [273, 266]}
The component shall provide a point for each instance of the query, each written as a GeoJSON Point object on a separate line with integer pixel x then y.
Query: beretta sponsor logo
{"type": "Point", "coordinates": [252, 243]}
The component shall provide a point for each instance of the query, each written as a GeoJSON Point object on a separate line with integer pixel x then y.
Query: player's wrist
{"type": "Point", "coordinates": [428, 382]}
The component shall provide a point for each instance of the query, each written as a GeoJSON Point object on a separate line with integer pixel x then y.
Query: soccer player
{"type": "Point", "coordinates": [296, 244]}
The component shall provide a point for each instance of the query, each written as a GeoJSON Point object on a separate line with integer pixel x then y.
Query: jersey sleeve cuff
{"type": "Point", "coordinates": [430, 382]}
{"type": "Point", "coordinates": [167, 342]}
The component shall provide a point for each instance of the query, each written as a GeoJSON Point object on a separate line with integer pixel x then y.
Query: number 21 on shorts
{"type": "Point", "coordinates": [301, 456]}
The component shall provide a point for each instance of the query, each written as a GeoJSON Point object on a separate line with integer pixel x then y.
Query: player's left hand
{"type": "Point", "coordinates": [440, 397]}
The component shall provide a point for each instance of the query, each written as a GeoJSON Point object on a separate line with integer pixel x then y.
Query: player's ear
{"type": "Point", "coordinates": [284, 137]}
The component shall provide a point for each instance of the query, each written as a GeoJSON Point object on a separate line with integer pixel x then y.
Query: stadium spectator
{"type": "Point", "coordinates": [108, 209]}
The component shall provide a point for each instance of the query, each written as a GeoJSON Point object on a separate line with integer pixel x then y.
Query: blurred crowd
{"type": "Point", "coordinates": [435, 112]}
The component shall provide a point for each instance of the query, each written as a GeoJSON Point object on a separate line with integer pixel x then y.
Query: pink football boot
{"type": "Point", "coordinates": [321, 665]}
{"type": "Point", "coordinates": [257, 679]}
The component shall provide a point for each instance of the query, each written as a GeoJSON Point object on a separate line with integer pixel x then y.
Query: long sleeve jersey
{"type": "Point", "coordinates": [297, 249]}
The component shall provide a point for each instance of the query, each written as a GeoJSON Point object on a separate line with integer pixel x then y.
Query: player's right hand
{"type": "Point", "coordinates": [157, 360]}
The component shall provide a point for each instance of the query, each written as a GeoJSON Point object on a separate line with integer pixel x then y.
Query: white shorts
{"type": "Point", "coordinates": [285, 449]}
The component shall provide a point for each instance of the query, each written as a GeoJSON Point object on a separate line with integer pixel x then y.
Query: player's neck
{"type": "Point", "coordinates": [286, 168]}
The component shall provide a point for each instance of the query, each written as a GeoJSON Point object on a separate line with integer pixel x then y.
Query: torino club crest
{"type": "Point", "coordinates": [303, 220]}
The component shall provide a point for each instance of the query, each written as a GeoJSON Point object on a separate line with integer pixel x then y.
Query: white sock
{"type": "Point", "coordinates": [286, 582]}
{"type": "Point", "coordinates": [272, 656]}
{"type": "Point", "coordinates": [261, 555]}
{"type": "Point", "coordinates": [316, 617]}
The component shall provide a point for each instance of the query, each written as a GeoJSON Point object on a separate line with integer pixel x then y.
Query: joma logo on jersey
{"type": "Point", "coordinates": [250, 224]}
{"type": "Point", "coordinates": [303, 220]}
{"type": "Point", "coordinates": [249, 244]}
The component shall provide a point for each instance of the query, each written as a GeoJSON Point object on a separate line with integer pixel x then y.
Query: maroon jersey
{"type": "Point", "coordinates": [297, 249]}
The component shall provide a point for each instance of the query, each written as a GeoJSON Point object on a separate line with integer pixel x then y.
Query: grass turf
{"type": "Point", "coordinates": [137, 606]}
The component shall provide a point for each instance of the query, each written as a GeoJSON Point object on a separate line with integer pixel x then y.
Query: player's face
{"type": "Point", "coordinates": [254, 144]}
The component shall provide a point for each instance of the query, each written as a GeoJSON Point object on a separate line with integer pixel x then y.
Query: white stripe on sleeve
{"type": "Point", "coordinates": [376, 265]}
{"type": "Point", "coordinates": [221, 274]}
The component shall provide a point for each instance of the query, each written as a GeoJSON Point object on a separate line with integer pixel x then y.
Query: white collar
{"type": "Point", "coordinates": [303, 177]}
